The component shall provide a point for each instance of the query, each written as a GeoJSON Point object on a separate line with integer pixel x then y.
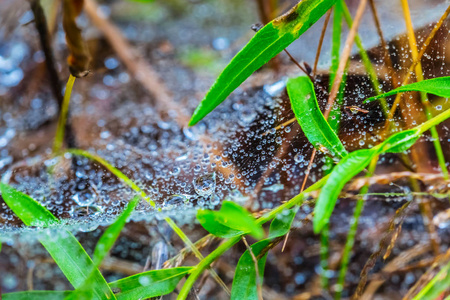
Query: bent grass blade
{"type": "Point", "coordinates": [306, 109]}
{"type": "Point", "coordinates": [267, 42]}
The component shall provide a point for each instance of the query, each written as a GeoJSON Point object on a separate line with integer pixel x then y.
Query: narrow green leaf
{"type": "Point", "coordinates": [267, 42]}
{"type": "Point", "coordinates": [244, 281]}
{"type": "Point", "coordinates": [347, 168]}
{"type": "Point", "coordinates": [438, 86]}
{"type": "Point", "coordinates": [149, 284]}
{"type": "Point", "coordinates": [231, 220]}
{"type": "Point", "coordinates": [37, 295]}
{"type": "Point", "coordinates": [62, 245]}
{"type": "Point", "coordinates": [111, 234]}
{"type": "Point", "coordinates": [308, 114]}
{"type": "Point", "coordinates": [436, 286]}
{"type": "Point", "coordinates": [399, 142]}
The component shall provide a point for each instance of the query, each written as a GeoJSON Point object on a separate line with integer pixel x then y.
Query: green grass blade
{"type": "Point", "coordinates": [267, 42]}
{"type": "Point", "coordinates": [59, 137]}
{"type": "Point", "coordinates": [31, 212]}
{"type": "Point", "coordinates": [64, 248]}
{"type": "Point", "coordinates": [244, 282]}
{"type": "Point", "coordinates": [347, 168]}
{"type": "Point", "coordinates": [149, 284]}
{"type": "Point", "coordinates": [436, 286]}
{"type": "Point", "coordinates": [231, 220]}
{"type": "Point", "coordinates": [111, 234]}
{"type": "Point", "coordinates": [308, 114]}
{"type": "Point", "coordinates": [37, 295]}
{"type": "Point", "coordinates": [437, 86]}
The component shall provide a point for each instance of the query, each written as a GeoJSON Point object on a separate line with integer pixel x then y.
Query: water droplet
{"type": "Point", "coordinates": [299, 158]}
{"type": "Point", "coordinates": [274, 187]}
{"type": "Point", "coordinates": [246, 116]}
{"type": "Point", "coordinates": [84, 198]}
{"type": "Point", "coordinates": [438, 107]}
{"type": "Point", "coordinates": [205, 184]}
{"type": "Point", "coordinates": [175, 201]}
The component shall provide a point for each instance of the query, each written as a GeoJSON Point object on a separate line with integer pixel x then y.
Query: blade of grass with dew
{"type": "Point", "coordinates": [244, 281]}
{"type": "Point", "coordinates": [231, 220]}
{"type": "Point", "coordinates": [439, 86]}
{"type": "Point", "coordinates": [64, 248]}
{"type": "Point", "coordinates": [149, 284]}
{"type": "Point", "coordinates": [311, 120]}
{"type": "Point", "coordinates": [436, 286]}
{"type": "Point", "coordinates": [267, 42]}
{"type": "Point", "coordinates": [37, 295]}
{"type": "Point", "coordinates": [59, 137]}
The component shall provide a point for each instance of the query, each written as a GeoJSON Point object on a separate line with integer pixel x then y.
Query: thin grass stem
{"type": "Point", "coordinates": [423, 95]}
{"type": "Point", "coordinates": [60, 130]}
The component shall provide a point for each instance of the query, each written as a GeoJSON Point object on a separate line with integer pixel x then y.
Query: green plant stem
{"type": "Point", "coordinates": [204, 264]}
{"type": "Point", "coordinates": [365, 59]}
{"type": "Point", "coordinates": [352, 233]}
{"type": "Point", "coordinates": [59, 137]}
{"type": "Point", "coordinates": [423, 95]}
{"type": "Point", "coordinates": [144, 196]}
{"type": "Point", "coordinates": [324, 254]}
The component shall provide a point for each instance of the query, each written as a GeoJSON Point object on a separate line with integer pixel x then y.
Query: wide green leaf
{"type": "Point", "coordinates": [437, 86]}
{"type": "Point", "coordinates": [356, 161]}
{"type": "Point", "coordinates": [244, 282]}
{"type": "Point", "coordinates": [149, 284]}
{"type": "Point", "coordinates": [231, 220]}
{"type": "Point", "coordinates": [61, 244]}
{"type": "Point", "coordinates": [267, 42]}
{"type": "Point", "coordinates": [311, 120]}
